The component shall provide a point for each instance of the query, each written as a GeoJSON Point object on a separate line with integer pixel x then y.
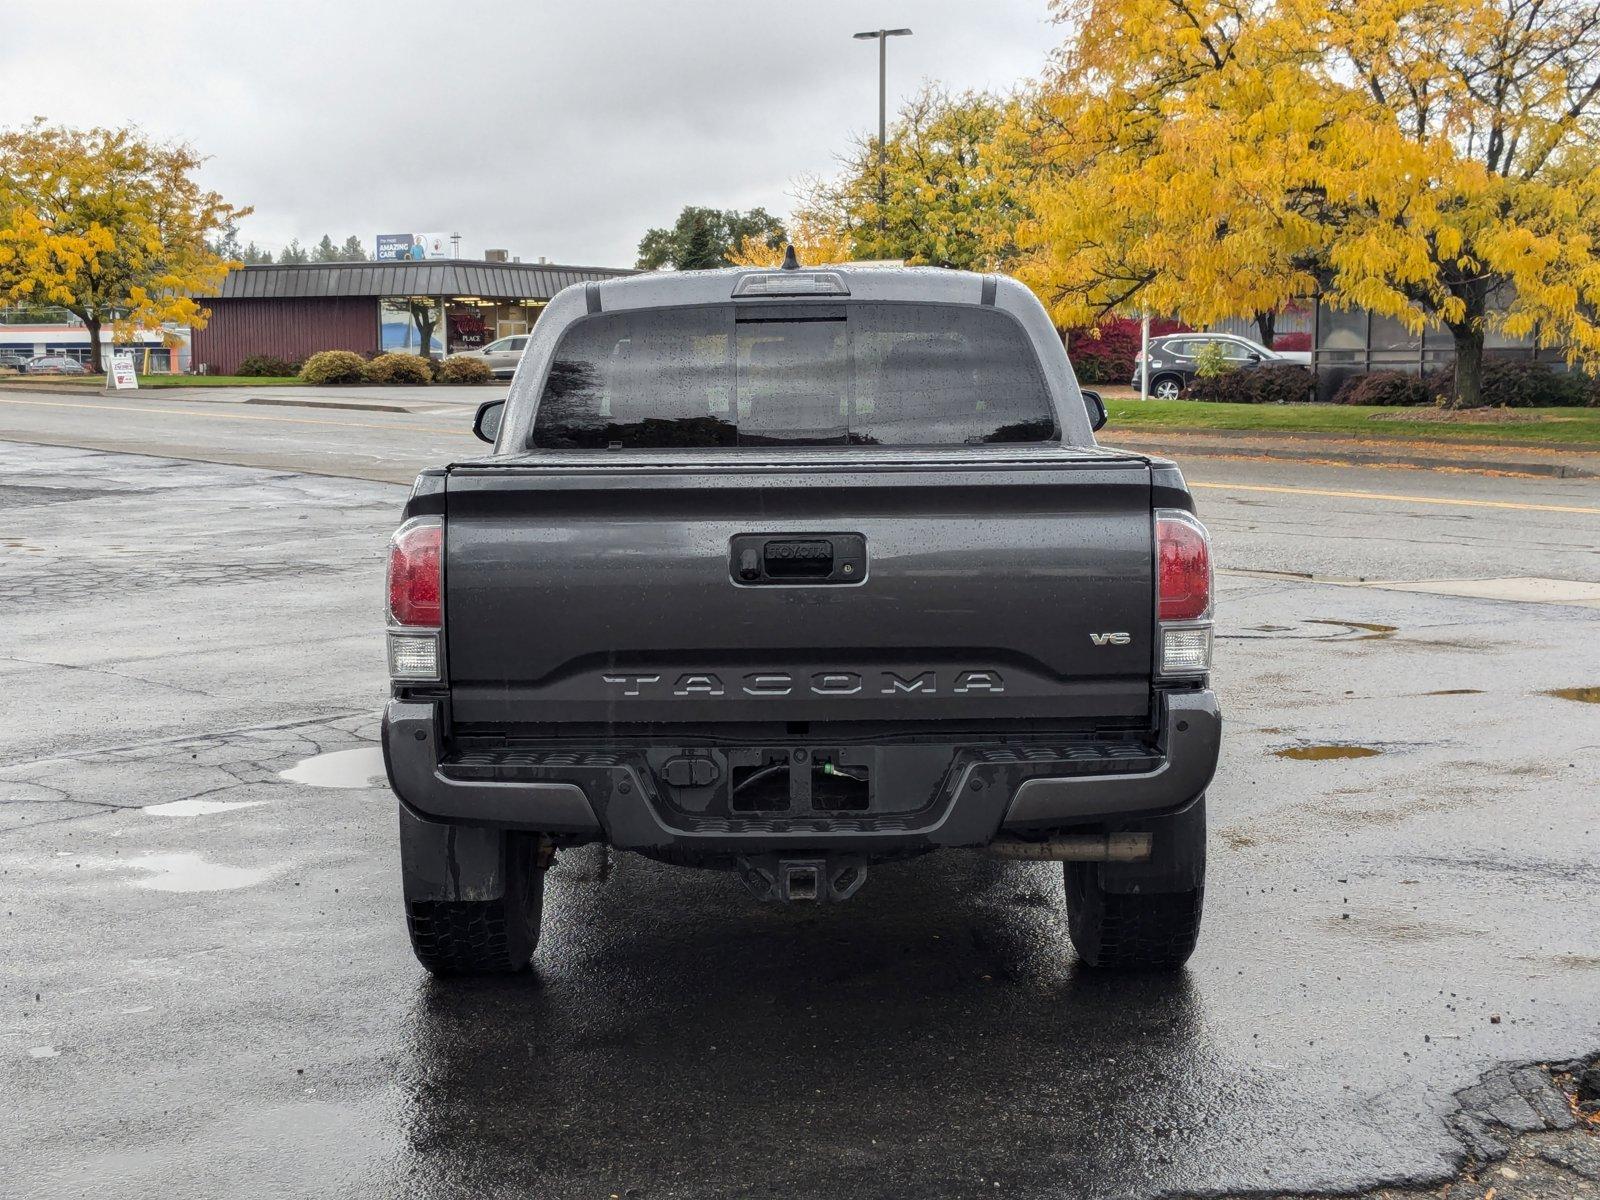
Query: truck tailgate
{"type": "Point", "coordinates": [612, 595]}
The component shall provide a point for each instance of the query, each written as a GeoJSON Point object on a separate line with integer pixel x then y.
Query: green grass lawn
{"type": "Point", "coordinates": [152, 381]}
{"type": "Point", "coordinates": [1568, 426]}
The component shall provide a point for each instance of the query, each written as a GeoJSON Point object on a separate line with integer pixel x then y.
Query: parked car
{"type": "Point", "coordinates": [790, 573]}
{"type": "Point", "coordinates": [13, 360]}
{"type": "Point", "coordinates": [54, 364]}
{"type": "Point", "coordinates": [502, 355]}
{"type": "Point", "coordinates": [1174, 359]}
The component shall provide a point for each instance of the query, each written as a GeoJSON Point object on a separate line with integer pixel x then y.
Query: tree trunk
{"type": "Point", "coordinates": [1267, 326]}
{"type": "Point", "coordinates": [96, 363]}
{"type": "Point", "coordinates": [1468, 391]}
{"type": "Point", "coordinates": [425, 321]}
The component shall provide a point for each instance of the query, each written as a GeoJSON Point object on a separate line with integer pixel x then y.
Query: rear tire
{"type": "Point", "coordinates": [1142, 916]}
{"type": "Point", "coordinates": [484, 937]}
{"type": "Point", "coordinates": [1130, 931]}
{"type": "Point", "coordinates": [1167, 387]}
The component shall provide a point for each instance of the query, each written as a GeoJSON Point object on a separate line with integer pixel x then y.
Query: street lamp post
{"type": "Point", "coordinates": [882, 36]}
{"type": "Point", "coordinates": [1144, 355]}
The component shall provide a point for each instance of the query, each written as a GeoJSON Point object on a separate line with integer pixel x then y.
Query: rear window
{"type": "Point", "coordinates": [794, 375]}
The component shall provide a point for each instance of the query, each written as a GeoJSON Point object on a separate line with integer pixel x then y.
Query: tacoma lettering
{"type": "Point", "coordinates": [818, 683]}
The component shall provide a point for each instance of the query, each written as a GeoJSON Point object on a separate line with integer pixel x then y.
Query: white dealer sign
{"type": "Point", "coordinates": [121, 374]}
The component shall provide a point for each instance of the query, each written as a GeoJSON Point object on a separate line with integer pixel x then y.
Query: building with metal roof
{"type": "Point", "coordinates": [291, 311]}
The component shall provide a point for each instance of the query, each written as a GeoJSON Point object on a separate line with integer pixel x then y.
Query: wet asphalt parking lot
{"type": "Point", "coordinates": [207, 988]}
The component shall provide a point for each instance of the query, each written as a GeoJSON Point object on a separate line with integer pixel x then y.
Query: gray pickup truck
{"type": "Point", "coordinates": [792, 572]}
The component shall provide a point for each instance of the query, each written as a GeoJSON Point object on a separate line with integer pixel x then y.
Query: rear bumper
{"type": "Point", "coordinates": [599, 793]}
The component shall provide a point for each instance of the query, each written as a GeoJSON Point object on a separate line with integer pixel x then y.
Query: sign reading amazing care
{"type": "Point", "coordinates": [122, 373]}
{"type": "Point", "coordinates": [399, 246]}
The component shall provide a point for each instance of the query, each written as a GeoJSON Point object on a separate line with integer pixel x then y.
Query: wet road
{"type": "Point", "coordinates": [208, 989]}
{"type": "Point", "coordinates": [1289, 517]}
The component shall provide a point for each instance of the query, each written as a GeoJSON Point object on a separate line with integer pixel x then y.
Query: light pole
{"type": "Point", "coordinates": [1144, 355]}
{"type": "Point", "coordinates": [882, 36]}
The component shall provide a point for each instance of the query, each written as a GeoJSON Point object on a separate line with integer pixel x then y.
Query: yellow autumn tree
{"type": "Point", "coordinates": [109, 225]}
{"type": "Point", "coordinates": [1140, 196]}
{"type": "Point", "coordinates": [942, 197]}
{"type": "Point", "coordinates": [1431, 160]}
{"type": "Point", "coordinates": [813, 247]}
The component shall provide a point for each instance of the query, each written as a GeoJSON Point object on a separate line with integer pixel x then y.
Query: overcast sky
{"type": "Point", "coordinates": [561, 128]}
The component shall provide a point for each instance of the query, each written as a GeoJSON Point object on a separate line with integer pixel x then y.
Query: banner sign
{"type": "Point", "coordinates": [122, 374]}
{"type": "Point", "coordinates": [393, 246]}
{"type": "Point", "coordinates": [396, 246]}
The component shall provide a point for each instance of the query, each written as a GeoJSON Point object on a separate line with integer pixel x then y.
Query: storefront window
{"type": "Point", "coordinates": [472, 322]}
{"type": "Point", "coordinates": [466, 328]}
{"type": "Point", "coordinates": [407, 321]}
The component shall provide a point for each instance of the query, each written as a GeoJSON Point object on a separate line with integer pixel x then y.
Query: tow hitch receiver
{"type": "Point", "coordinates": [825, 877]}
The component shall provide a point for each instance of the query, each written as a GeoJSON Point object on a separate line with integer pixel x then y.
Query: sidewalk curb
{"type": "Point", "coordinates": [1363, 458]}
{"type": "Point", "coordinates": [1487, 441]}
{"type": "Point", "coordinates": [69, 389]}
{"type": "Point", "coordinates": [347, 405]}
{"type": "Point", "coordinates": [206, 396]}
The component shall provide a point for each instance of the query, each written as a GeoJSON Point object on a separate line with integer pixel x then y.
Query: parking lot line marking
{"type": "Point", "coordinates": [194, 412]}
{"type": "Point", "coordinates": [1513, 505]}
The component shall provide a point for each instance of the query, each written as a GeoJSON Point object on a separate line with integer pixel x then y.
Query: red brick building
{"type": "Point", "coordinates": [292, 311]}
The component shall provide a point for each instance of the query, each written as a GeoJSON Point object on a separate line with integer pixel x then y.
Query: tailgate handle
{"type": "Point", "coordinates": [810, 558]}
{"type": "Point", "coordinates": [793, 558]}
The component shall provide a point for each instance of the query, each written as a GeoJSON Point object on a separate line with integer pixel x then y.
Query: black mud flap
{"type": "Point", "coordinates": [440, 861]}
{"type": "Point", "coordinates": [1177, 860]}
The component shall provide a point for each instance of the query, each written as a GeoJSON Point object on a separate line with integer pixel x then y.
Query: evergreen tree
{"type": "Point", "coordinates": [698, 250]}
{"type": "Point", "coordinates": [294, 252]}
{"type": "Point", "coordinates": [705, 238]}
{"type": "Point", "coordinates": [226, 244]}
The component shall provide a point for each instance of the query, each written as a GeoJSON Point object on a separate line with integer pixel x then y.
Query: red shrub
{"type": "Point", "coordinates": [1106, 353]}
{"type": "Point", "coordinates": [1292, 341]}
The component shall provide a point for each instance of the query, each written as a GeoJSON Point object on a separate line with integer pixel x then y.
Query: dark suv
{"type": "Point", "coordinates": [1174, 359]}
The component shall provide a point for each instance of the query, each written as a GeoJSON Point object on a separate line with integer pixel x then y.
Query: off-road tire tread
{"type": "Point", "coordinates": [1138, 931]}
{"type": "Point", "coordinates": [484, 937]}
{"type": "Point", "coordinates": [461, 937]}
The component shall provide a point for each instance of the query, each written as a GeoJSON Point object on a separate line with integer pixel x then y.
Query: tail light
{"type": "Point", "coordinates": [416, 599]}
{"type": "Point", "coordinates": [1183, 593]}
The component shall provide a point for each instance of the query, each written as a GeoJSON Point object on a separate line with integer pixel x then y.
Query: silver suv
{"type": "Point", "coordinates": [502, 355]}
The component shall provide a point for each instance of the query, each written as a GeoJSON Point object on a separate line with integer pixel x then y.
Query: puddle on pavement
{"type": "Point", "coordinates": [1340, 631]}
{"type": "Point", "coordinates": [197, 808]}
{"type": "Point", "coordinates": [191, 873]}
{"type": "Point", "coordinates": [1584, 695]}
{"type": "Point", "coordinates": [360, 768]}
{"type": "Point", "coordinates": [1322, 753]}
